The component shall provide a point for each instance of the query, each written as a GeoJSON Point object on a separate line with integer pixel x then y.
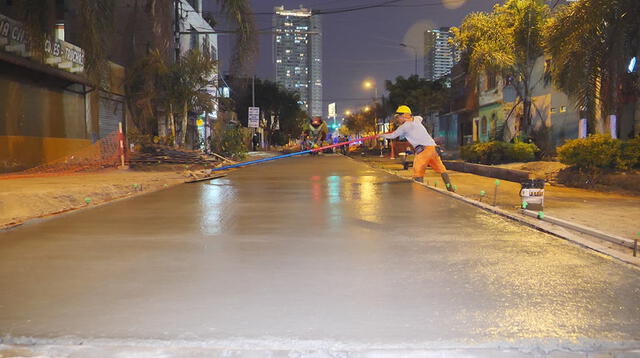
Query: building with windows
{"type": "Point", "coordinates": [297, 52]}
{"type": "Point", "coordinates": [439, 55]}
{"type": "Point", "coordinates": [196, 33]}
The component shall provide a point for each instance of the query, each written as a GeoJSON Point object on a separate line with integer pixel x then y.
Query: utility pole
{"type": "Point", "coordinates": [415, 52]}
{"type": "Point", "coordinates": [177, 28]}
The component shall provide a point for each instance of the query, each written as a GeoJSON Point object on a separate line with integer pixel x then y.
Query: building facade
{"type": "Point", "coordinates": [297, 51]}
{"type": "Point", "coordinates": [439, 55]}
{"type": "Point", "coordinates": [49, 109]}
{"type": "Point", "coordinates": [196, 33]}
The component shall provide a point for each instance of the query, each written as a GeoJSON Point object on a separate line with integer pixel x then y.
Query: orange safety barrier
{"type": "Point", "coordinates": [105, 153]}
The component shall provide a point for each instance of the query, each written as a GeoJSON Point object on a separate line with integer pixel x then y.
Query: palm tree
{"type": "Point", "coordinates": [591, 43]}
{"type": "Point", "coordinates": [507, 41]}
{"type": "Point", "coordinates": [246, 46]}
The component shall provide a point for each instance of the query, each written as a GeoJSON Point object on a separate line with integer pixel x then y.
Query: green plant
{"type": "Point", "coordinates": [498, 152]}
{"type": "Point", "coordinates": [594, 152]}
{"type": "Point", "coordinates": [629, 154]}
{"type": "Point", "coordinates": [521, 152]}
{"type": "Point", "coordinates": [230, 141]}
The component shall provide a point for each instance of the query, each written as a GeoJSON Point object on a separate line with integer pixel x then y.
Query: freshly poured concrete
{"type": "Point", "coordinates": [314, 252]}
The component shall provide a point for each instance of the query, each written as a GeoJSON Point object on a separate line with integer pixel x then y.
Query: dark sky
{"type": "Point", "coordinates": [361, 44]}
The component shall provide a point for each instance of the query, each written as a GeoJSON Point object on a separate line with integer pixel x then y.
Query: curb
{"type": "Point", "coordinates": [536, 224]}
{"type": "Point", "coordinates": [50, 215]}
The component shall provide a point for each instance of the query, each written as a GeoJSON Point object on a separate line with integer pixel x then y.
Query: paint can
{"type": "Point", "coordinates": [532, 193]}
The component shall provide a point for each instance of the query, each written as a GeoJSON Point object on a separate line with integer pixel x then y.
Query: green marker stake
{"type": "Point", "coordinates": [448, 185]}
{"type": "Point", "coordinates": [87, 200]}
{"type": "Point", "coordinates": [497, 182]}
{"type": "Point", "coordinates": [435, 183]}
{"type": "Point", "coordinates": [482, 193]}
{"type": "Point", "coordinates": [540, 215]}
{"type": "Point", "coordinates": [455, 188]}
{"type": "Point", "coordinates": [524, 204]}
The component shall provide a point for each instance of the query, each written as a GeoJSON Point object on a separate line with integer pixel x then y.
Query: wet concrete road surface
{"type": "Point", "coordinates": [309, 253]}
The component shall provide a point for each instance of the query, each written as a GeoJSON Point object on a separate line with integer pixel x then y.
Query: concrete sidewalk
{"type": "Point", "coordinates": [609, 212]}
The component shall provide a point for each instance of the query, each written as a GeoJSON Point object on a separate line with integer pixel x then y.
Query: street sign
{"type": "Point", "coordinates": [254, 117]}
{"type": "Point", "coordinates": [332, 110]}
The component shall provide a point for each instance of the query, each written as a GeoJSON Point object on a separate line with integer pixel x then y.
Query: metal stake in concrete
{"type": "Point", "coordinates": [495, 193]}
{"type": "Point", "coordinates": [482, 194]}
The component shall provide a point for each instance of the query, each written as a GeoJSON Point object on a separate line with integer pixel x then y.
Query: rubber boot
{"type": "Point", "coordinates": [447, 181]}
{"type": "Point", "coordinates": [418, 180]}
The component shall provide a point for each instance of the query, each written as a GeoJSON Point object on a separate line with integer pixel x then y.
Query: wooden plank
{"type": "Point", "coordinates": [207, 178]}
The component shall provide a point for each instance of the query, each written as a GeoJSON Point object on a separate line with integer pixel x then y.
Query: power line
{"type": "Point", "coordinates": [387, 3]}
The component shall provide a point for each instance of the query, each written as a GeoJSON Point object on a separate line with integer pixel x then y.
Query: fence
{"type": "Point", "coordinates": [106, 152]}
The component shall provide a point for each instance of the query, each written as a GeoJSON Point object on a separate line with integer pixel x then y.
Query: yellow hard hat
{"type": "Point", "coordinates": [403, 110]}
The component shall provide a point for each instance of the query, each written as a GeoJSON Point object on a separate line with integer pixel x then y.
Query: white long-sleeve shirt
{"type": "Point", "coordinates": [415, 133]}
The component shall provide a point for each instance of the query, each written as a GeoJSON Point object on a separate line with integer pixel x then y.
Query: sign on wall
{"type": "Point", "coordinates": [60, 54]}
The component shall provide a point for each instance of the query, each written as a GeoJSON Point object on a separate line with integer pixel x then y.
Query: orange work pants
{"type": "Point", "coordinates": [427, 158]}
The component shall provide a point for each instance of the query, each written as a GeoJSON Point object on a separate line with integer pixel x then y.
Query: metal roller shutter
{"type": "Point", "coordinates": [111, 112]}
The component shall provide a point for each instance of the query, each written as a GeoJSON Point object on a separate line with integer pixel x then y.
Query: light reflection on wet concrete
{"type": "Point", "coordinates": [309, 249]}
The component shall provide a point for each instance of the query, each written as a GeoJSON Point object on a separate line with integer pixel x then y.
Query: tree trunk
{"type": "Point", "coordinates": [598, 120]}
{"type": "Point", "coordinates": [172, 124]}
{"type": "Point", "coordinates": [183, 132]}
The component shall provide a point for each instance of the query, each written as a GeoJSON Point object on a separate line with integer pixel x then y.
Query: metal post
{"type": "Point", "coordinates": [635, 247]}
{"type": "Point", "coordinates": [121, 146]}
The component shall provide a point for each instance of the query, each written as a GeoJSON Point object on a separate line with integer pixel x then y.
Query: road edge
{"type": "Point", "coordinates": [536, 224]}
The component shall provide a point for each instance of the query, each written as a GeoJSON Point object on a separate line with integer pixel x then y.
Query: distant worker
{"type": "Point", "coordinates": [424, 146]}
{"type": "Point", "coordinates": [314, 133]}
{"type": "Point", "coordinates": [255, 141]}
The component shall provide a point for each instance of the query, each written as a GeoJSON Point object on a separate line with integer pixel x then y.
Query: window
{"type": "Point", "coordinates": [491, 81]}
{"type": "Point", "coordinates": [554, 110]}
{"type": "Point", "coordinates": [483, 126]}
{"type": "Point", "coordinates": [563, 109]}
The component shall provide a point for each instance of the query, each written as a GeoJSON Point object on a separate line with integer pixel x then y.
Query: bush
{"type": "Point", "coordinates": [521, 152]}
{"type": "Point", "coordinates": [594, 152]}
{"type": "Point", "coordinates": [498, 152]}
{"type": "Point", "coordinates": [230, 141]}
{"type": "Point", "coordinates": [629, 154]}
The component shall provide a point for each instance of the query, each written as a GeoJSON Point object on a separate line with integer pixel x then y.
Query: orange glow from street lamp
{"type": "Point", "coordinates": [366, 109]}
{"type": "Point", "coordinates": [347, 112]}
{"type": "Point", "coordinates": [367, 84]}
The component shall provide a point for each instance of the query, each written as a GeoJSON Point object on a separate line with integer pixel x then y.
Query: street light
{"type": "Point", "coordinates": [415, 52]}
{"type": "Point", "coordinates": [366, 108]}
{"type": "Point", "coordinates": [367, 84]}
{"type": "Point", "coordinates": [347, 113]}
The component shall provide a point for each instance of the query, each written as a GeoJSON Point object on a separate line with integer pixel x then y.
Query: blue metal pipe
{"type": "Point", "coordinates": [292, 154]}
{"type": "Point", "coordinates": [261, 160]}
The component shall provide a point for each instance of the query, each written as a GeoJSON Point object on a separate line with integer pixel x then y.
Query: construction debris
{"type": "Point", "coordinates": [158, 154]}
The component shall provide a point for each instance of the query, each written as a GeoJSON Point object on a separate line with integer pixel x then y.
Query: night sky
{"type": "Point", "coordinates": [363, 44]}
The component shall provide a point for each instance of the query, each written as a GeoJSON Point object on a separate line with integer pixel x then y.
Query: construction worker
{"type": "Point", "coordinates": [314, 133]}
{"type": "Point", "coordinates": [424, 146]}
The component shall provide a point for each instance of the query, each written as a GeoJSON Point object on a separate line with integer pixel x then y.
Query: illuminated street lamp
{"type": "Point", "coordinates": [367, 84]}
{"type": "Point", "coordinates": [347, 112]}
{"type": "Point", "coordinates": [366, 109]}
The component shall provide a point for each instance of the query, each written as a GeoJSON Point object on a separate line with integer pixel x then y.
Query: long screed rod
{"type": "Point", "coordinates": [292, 154]}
